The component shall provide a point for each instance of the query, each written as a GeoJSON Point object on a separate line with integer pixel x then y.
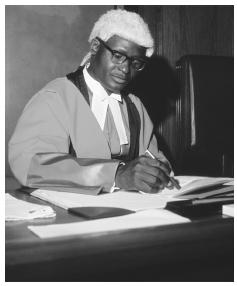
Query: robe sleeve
{"type": "Point", "coordinates": [148, 139]}
{"type": "Point", "coordinates": [39, 152]}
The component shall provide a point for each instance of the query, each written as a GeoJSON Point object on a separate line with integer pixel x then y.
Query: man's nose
{"type": "Point", "coordinates": [125, 66]}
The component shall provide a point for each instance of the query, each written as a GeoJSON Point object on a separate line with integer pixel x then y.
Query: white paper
{"type": "Point", "coordinates": [129, 200]}
{"type": "Point", "coordinates": [142, 219]}
{"type": "Point", "coordinates": [16, 209]}
{"type": "Point", "coordinates": [191, 183]}
{"type": "Point", "coordinates": [121, 199]}
{"type": "Point", "coordinates": [228, 210]}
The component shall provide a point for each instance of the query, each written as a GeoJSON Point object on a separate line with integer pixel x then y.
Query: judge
{"type": "Point", "coordinates": [83, 132]}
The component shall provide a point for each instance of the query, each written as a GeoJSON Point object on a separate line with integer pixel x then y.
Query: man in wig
{"type": "Point", "coordinates": [83, 132]}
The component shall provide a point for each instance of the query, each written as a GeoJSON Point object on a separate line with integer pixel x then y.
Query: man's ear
{"type": "Point", "coordinates": [95, 45]}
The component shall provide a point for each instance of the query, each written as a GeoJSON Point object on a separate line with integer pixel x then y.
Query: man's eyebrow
{"type": "Point", "coordinates": [123, 52]}
{"type": "Point", "coordinates": [119, 49]}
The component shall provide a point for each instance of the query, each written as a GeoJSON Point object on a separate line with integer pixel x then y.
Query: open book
{"type": "Point", "coordinates": [191, 187]}
{"type": "Point", "coordinates": [195, 187]}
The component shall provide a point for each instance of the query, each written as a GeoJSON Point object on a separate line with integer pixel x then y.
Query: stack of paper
{"type": "Point", "coordinates": [16, 209]}
{"type": "Point", "coordinates": [141, 219]}
{"type": "Point", "coordinates": [128, 200]}
{"type": "Point", "coordinates": [192, 187]}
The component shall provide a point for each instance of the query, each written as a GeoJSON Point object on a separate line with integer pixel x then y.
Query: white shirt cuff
{"type": "Point", "coordinates": [114, 188]}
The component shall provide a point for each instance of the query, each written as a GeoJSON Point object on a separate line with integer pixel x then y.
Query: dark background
{"type": "Point", "coordinates": [206, 32]}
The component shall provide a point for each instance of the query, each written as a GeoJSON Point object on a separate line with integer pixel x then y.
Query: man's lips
{"type": "Point", "coordinates": [120, 79]}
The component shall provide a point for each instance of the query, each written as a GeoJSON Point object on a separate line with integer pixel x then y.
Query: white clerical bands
{"type": "Point", "coordinates": [100, 103]}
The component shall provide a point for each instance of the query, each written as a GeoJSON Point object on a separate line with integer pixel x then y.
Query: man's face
{"type": "Point", "coordinates": [114, 77]}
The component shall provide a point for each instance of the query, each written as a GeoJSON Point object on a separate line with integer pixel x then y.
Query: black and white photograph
{"type": "Point", "coordinates": [119, 143]}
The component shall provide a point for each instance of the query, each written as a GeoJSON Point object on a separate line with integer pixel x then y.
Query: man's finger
{"type": "Point", "coordinates": [158, 164]}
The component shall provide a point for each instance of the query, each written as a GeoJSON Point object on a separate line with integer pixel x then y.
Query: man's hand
{"type": "Point", "coordinates": [143, 174]}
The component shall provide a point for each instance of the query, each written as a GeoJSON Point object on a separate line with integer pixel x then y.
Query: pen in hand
{"type": "Point", "coordinates": [172, 179]}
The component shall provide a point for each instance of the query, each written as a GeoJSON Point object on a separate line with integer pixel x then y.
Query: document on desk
{"type": "Point", "coordinates": [133, 201]}
{"type": "Point", "coordinates": [228, 210]}
{"type": "Point", "coordinates": [141, 219]}
{"type": "Point", "coordinates": [191, 187]}
{"type": "Point", "coordinates": [16, 209]}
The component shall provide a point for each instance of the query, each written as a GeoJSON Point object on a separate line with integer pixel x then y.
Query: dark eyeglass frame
{"type": "Point", "coordinates": [133, 60]}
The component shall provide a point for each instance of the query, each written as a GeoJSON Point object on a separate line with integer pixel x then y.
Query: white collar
{"type": "Point", "coordinates": [96, 87]}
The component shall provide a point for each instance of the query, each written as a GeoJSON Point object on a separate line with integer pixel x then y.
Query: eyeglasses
{"type": "Point", "coordinates": [119, 58]}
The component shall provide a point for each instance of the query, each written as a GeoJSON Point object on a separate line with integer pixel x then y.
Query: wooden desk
{"type": "Point", "coordinates": [198, 251]}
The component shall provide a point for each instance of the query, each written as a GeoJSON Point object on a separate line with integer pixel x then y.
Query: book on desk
{"type": "Point", "coordinates": [202, 196]}
{"type": "Point", "coordinates": [194, 191]}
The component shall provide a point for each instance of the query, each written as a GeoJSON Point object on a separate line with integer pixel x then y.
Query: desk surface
{"type": "Point", "coordinates": [198, 251]}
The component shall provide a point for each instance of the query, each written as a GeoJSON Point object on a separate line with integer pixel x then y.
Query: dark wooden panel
{"type": "Point", "coordinates": [224, 42]}
{"type": "Point", "coordinates": [178, 31]}
{"type": "Point", "coordinates": [201, 30]}
{"type": "Point", "coordinates": [190, 29]}
{"type": "Point", "coordinates": [205, 140]}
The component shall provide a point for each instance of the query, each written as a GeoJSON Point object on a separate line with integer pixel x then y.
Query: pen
{"type": "Point", "coordinates": [172, 179]}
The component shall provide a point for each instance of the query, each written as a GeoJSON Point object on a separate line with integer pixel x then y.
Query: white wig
{"type": "Point", "coordinates": [127, 25]}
